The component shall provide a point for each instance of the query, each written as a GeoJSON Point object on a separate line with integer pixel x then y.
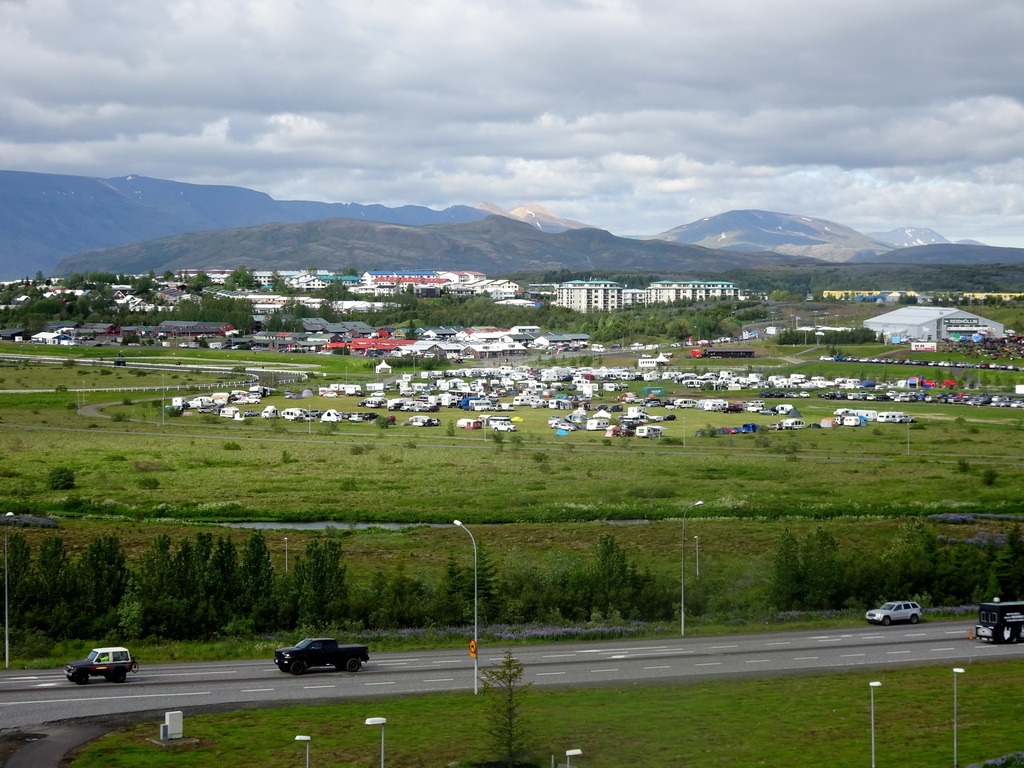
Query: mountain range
{"type": "Point", "coordinates": [59, 224]}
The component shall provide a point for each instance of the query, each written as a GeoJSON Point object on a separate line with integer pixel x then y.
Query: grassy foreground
{"type": "Point", "coordinates": [811, 720]}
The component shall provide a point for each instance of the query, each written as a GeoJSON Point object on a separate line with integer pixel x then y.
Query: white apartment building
{"type": "Point", "coordinates": [590, 295]}
{"type": "Point", "coordinates": [665, 291]}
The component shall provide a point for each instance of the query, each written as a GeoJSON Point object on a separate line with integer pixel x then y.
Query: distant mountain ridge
{"type": "Point", "coordinates": [536, 215]}
{"type": "Point", "coordinates": [908, 237]}
{"type": "Point", "coordinates": [751, 230]}
{"type": "Point", "coordinates": [495, 245]}
{"type": "Point", "coordinates": [47, 217]}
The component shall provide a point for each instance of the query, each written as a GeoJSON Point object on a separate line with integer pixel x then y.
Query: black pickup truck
{"type": "Point", "coordinates": [320, 652]}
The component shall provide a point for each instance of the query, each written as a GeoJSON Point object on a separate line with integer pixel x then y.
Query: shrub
{"type": "Point", "coordinates": [60, 479]}
{"type": "Point", "coordinates": [989, 476]}
{"type": "Point", "coordinates": [149, 483]}
{"type": "Point", "coordinates": [231, 445]}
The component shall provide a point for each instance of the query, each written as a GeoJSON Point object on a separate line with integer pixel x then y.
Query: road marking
{"type": "Point", "coordinates": [666, 666]}
{"type": "Point", "coordinates": [256, 690]}
{"type": "Point", "coordinates": [872, 637]}
{"type": "Point", "coordinates": [893, 653]}
{"type": "Point", "coordinates": [851, 655]}
{"type": "Point", "coordinates": [616, 669]}
{"type": "Point", "coordinates": [46, 685]}
{"type": "Point", "coordinates": [716, 647]}
{"type": "Point", "coordinates": [391, 663]}
{"type": "Point", "coordinates": [829, 639]}
{"type": "Point", "coordinates": [958, 632]}
{"type": "Point", "coordinates": [805, 658]}
{"type": "Point", "coordinates": [619, 656]}
{"type": "Point", "coordinates": [547, 674]}
{"type": "Point", "coordinates": [709, 664]}
{"type": "Point", "coordinates": [448, 661]}
{"type": "Point", "coordinates": [392, 682]}
{"type": "Point", "coordinates": [558, 655]}
{"type": "Point", "coordinates": [440, 680]}
{"type": "Point", "coordinates": [191, 674]}
{"type": "Point", "coordinates": [310, 687]}
{"type": "Point", "coordinates": [936, 650]}
{"type": "Point", "coordinates": [104, 698]}
{"type": "Point", "coordinates": [758, 661]}
{"type": "Point", "coordinates": [785, 643]}
{"type": "Point", "coordinates": [916, 634]}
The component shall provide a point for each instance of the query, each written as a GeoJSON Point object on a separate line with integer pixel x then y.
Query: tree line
{"type": "Point", "coordinates": [203, 586]}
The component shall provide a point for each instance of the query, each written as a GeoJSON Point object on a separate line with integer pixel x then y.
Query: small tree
{"type": "Point", "coordinates": [504, 696]}
{"type": "Point", "coordinates": [60, 479]}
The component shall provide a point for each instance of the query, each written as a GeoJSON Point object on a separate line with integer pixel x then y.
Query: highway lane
{"type": "Point", "coordinates": [30, 698]}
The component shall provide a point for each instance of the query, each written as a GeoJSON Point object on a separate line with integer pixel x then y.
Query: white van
{"type": "Point", "coordinates": [792, 424]}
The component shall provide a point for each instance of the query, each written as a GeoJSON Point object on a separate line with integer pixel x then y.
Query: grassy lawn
{"type": "Point", "coordinates": [805, 720]}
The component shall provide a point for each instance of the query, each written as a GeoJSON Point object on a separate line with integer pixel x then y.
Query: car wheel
{"type": "Point", "coordinates": [353, 665]}
{"type": "Point", "coordinates": [81, 677]}
{"type": "Point", "coordinates": [117, 676]}
{"type": "Point", "coordinates": [886, 621]}
{"type": "Point", "coordinates": [297, 667]}
{"type": "Point", "coordinates": [913, 618]}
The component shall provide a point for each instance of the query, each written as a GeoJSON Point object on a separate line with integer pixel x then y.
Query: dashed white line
{"type": "Point", "coordinates": [758, 661]}
{"type": "Point", "coordinates": [805, 658]}
{"type": "Point", "coordinates": [937, 650]}
{"type": "Point", "coordinates": [717, 647]}
{"type": "Point", "coordinates": [916, 634]}
{"type": "Point", "coordinates": [851, 655]}
{"type": "Point", "coordinates": [392, 682]}
{"type": "Point", "coordinates": [311, 687]}
{"type": "Point", "coordinates": [440, 680]}
{"type": "Point", "coordinates": [829, 639]}
{"type": "Point", "coordinates": [548, 674]}
{"type": "Point", "coordinates": [256, 690]}
{"type": "Point", "coordinates": [709, 664]}
{"type": "Point", "coordinates": [558, 655]}
{"type": "Point", "coordinates": [616, 669]}
{"type": "Point", "coordinates": [785, 643]}
{"type": "Point", "coordinates": [665, 666]}
{"type": "Point", "coordinates": [893, 653]}
{"type": "Point", "coordinates": [105, 698]}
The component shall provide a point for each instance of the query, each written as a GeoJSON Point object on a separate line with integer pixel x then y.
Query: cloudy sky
{"type": "Point", "coordinates": [632, 116]}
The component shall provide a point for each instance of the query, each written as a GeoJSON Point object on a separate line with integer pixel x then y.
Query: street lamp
{"type": "Point", "coordinates": [286, 554]}
{"type": "Point", "coordinates": [873, 686]}
{"type": "Point", "coordinates": [682, 573]}
{"type": "Point", "coordinates": [956, 671]}
{"type": "Point", "coordinates": [473, 646]}
{"type": "Point", "coordinates": [570, 753]}
{"type": "Point", "coordinates": [305, 739]}
{"type": "Point", "coordinates": [7, 631]}
{"type": "Point", "coordinates": [379, 721]}
{"type": "Point", "coordinates": [696, 546]}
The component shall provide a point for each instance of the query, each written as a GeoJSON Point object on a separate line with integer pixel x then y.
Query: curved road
{"type": "Point", "coordinates": [29, 699]}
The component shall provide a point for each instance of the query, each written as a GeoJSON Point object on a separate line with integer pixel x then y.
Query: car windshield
{"type": "Point", "coordinates": [92, 655]}
{"type": "Point", "coordinates": [303, 643]}
{"type": "Point", "coordinates": [889, 607]}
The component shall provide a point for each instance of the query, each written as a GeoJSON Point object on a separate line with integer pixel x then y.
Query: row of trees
{"type": "Point", "coordinates": [201, 587]}
{"type": "Point", "coordinates": [814, 572]}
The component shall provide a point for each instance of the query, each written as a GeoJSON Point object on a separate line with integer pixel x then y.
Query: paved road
{"type": "Point", "coordinates": [28, 699]}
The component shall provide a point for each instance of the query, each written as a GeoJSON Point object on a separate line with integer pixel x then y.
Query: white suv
{"type": "Point", "coordinates": [897, 611]}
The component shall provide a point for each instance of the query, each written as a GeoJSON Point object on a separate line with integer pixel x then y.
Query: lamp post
{"type": "Point", "coordinates": [379, 721]}
{"type": "Point", "coordinates": [873, 686]}
{"type": "Point", "coordinates": [305, 739]}
{"type": "Point", "coordinates": [956, 671]}
{"type": "Point", "coordinates": [7, 631]}
{"type": "Point", "coordinates": [682, 573]}
{"type": "Point", "coordinates": [473, 645]}
{"type": "Point", "coordinates": [696, 547]}
{"type": "Point", "coordinates": [569, 754]}
{"type": "Point", "coordinates": [286, 554]}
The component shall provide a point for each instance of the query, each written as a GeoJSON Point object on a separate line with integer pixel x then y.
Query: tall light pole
{"type": "Point", "coordinates": [569, 754]}
{"type": "Point", "coordinates": [473, 649]}
{"type": "Point", "coordinates": [956, 672]}
{"type": "Point", "coordinates": [379, 721]}
{"type": "Point", "coordinates": [305, 739]}
{"type": "Point", "coordinates": [873, 686]}
{"type": "Point", "coordinates": [682, 573]}
{"type": "Point", "coordinates": [286, 554]}
{"type": "Point", "coordinates": [696, 547]}
{"type": "Point", "coordinates": [7, 631]}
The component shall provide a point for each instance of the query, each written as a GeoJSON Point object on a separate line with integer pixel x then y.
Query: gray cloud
{"type": "Point", "coordinates": [633, 116]}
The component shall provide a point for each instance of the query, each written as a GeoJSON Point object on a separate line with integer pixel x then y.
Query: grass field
{"type": "Point", "coordinates": [810, 720]}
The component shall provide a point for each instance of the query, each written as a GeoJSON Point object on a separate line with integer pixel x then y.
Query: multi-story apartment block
{"type": "Point", "coordinates": [590, 295]}
{"type": "Point", "coordinates": [665, 291]}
